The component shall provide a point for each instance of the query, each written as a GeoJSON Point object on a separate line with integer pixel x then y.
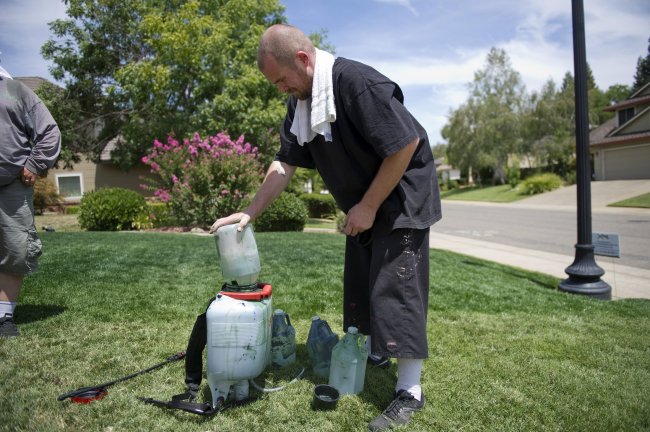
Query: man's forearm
{"type": "Point", "coordinates": [390, 172]}
{"type": "Point", "coordinates": [276, 180]}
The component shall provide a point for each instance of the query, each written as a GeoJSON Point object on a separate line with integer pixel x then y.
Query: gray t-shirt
{"type": "Point", "coordinates": [29, 136]}
{"type": "Point", "coordinates": [371, 124]}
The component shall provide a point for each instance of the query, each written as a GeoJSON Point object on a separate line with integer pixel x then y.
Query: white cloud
{"type": "Point", "coordinates": [404, 3]}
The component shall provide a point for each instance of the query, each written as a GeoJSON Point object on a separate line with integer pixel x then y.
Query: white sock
{"type": "Point", "coordinates": [368, 347]}
{"type": "Point", "coordinates": [7, 308]}
{"type": "Point", "coordinates": [408, 376]}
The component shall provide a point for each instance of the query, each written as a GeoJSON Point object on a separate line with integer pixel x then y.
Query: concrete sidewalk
{"type": "Point", "coordinates": [626, 282]}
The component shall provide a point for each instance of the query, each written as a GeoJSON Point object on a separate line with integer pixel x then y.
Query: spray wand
{"type": "Point", "coordinates": [93, 393]}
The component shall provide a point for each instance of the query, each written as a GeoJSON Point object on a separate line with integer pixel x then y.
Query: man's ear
{"type": "Point", "coordinates": [302, 59]}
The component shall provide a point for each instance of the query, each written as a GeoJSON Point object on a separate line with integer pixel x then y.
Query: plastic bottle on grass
{"type": "Point", "coordinates": [320, 342]}
{"type": "Point", "coordinates": [348, 367]}
{"type": "Point", "coordinates": [283, 339]}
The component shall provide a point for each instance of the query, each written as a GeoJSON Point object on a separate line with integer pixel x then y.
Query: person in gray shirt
{"type": "Point", "coordinates": [30, 142]}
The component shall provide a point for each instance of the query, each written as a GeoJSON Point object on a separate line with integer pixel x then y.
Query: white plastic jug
{"type": "Point", "coordinates": [240, 262]}
{"type": "Point", "coordinates": [348, 368]}
{"type": "Point", "coordinates": [238, 343]}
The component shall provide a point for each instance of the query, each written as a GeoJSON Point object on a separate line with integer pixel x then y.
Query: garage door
{"type": "Point", "coordinates": [627, 163]}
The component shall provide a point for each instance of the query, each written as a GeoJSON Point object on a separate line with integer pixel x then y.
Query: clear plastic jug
{"type": "Point", "coordinates": [320, 342]}
{"type": "Point", "coordinates": [283, 339]}
{"type": "Point", "coordinates": [240, 262]}
{"type": "Point", "coordinates": [348, 367]}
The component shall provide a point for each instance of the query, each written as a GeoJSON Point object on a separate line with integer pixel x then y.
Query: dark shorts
{"type": "Point", "coordinates": [386, 291]}
{"type": "Point", "coordinates": [20, 246]}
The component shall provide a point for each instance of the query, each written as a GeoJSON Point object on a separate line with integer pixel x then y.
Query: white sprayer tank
{"type": "Point", "coordinates": [238, 341]}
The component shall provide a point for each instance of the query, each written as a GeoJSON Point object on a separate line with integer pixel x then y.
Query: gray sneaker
{"type": "Point", "coordinates": [398, 413]}
{"type": "Point", "coordinates": [381, 362]}
{"type": "Point", "coordinates": [8, 327]}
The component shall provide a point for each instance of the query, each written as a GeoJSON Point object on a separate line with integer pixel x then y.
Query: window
{"type": "Point", "coordinates": [69, 185]}
{"type": "Point", "coordinates": [624, 115]}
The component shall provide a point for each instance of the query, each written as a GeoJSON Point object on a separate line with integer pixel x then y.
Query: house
{"type": "Point", "coordinates": [621, 146]}
{"type": "Point", "coordinates": [86, 175]}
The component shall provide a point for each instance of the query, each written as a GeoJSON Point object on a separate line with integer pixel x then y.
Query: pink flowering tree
{"type": "Point", "coordinates": [202, 179]}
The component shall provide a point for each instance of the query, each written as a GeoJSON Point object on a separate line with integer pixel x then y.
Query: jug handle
{"type": "Point", "coordinates": [288, 320]}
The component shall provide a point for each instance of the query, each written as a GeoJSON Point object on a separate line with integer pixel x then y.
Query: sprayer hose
{"type": "Point", "coordinates": [274, 389]}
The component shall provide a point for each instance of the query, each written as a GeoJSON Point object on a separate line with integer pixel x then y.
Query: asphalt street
{"type": "Point", "coordinates": [547, 228]}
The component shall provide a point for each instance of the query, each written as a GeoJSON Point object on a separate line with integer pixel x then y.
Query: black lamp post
{"type": "Point", "coordinates": [584, 273]}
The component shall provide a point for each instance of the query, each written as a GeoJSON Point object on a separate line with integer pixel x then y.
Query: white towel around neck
{"type": "Point", "coordinates": [4, 73]}
{"type": "Point", "coordinates": [314, 115]}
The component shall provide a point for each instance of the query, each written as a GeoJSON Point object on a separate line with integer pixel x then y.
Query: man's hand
{"type": "Point", "coordinates": [359, 219]}
{"type": "Point", "coordinates": [241, 217]}
{"type": "Point", "coordinates": [27, 177]}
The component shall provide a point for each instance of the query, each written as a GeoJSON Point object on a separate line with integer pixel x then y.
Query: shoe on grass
{"type": "Point", "coordinates": [380, 362]}
{"type": "Point", "coordinates": [8, 327]}
{"type": "Point", "coordinates": [398, 413]}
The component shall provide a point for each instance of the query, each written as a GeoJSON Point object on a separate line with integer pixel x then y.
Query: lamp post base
{"type": "Point", "coordinates": [584, 275]}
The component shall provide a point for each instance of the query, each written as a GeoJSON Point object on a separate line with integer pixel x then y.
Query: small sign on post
{"type": "Point", "coordinates": [606, 244]}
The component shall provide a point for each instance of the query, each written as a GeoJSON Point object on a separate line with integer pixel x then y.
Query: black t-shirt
{"type": "Point", "coordinates": [371, 124]}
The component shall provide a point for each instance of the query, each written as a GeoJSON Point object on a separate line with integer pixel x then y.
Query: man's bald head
{"type": "Point", "coordinates": [282, 42]}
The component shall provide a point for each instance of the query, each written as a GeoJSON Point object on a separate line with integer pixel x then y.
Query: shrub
{"type": "Point", "coordinates": [45, 194]}
{"type": "Point", "coordinates": [161, 215]}
{"type": "Point", "coordinates": [72, 210]}
{"type": "Point", "coordinates": [541, 183]}
{"type": "Point", "coordinates": [286, 213]}
{"type": "Point", "coordinates": [112, 209]}
{"type": "Point", "coordinates": [513, 174]}
{"type": "Point", "coordinates": [319, 205]}
{"type": "Point", "coordinates": [203, 179]}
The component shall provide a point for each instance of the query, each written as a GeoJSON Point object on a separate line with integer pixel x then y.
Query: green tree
{"type": "Point", "coordinates": [462, 144]}
{"type": "Point", "coordinates": [68, 115]}
{"type": "Point", "coordinates": [490, 118]}
{"type": "Point", "coordinates": [549, 124]}
{"type": "Point", "coordinates": [86, 49]}
{"type": "Point", "coordinates": [617, 93]}
{"type": "Point", "coordinates": [147, 69]}
{"type": "Point", "coordinates": [642, 74]}
{"type": "Point", "coordinates": [440, 151]}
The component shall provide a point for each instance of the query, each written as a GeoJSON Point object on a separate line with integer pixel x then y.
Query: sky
{"type": "Point", "coordinates": [431, 48]}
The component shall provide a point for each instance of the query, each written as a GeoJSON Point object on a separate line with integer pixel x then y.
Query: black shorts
{"type": "Point", "coordinates": [386, 291]}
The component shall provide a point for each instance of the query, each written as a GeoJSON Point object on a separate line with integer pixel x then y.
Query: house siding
{"type": "Point", "coordinates": [640, 124]}
{"type": "Point", "coordinates": [103, 175]}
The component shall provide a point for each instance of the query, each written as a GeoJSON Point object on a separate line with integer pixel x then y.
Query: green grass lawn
{"type": "Point", "coordinates": [642, 201]}
{"type": "Point", "coordinates": [329, 224]}
{"type": "Point", "coordinates": [501, 193]}
{"type": "Point", "coordinates": [508, 352]}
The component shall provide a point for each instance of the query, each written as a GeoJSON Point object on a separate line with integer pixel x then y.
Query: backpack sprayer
{"type": "Point", "coordinates": [236, 328]}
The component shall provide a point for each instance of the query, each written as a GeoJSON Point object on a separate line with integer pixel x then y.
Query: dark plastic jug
{"type": "Point", "coordinates": [283, 339]}
{"type": "Point", "coordinates": [320, 342]}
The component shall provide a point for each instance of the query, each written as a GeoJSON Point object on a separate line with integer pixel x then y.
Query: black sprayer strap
{"type": "Point", "coordinates": [194, 352]}
{"type": "Point", "coordinates": [194, 356]}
